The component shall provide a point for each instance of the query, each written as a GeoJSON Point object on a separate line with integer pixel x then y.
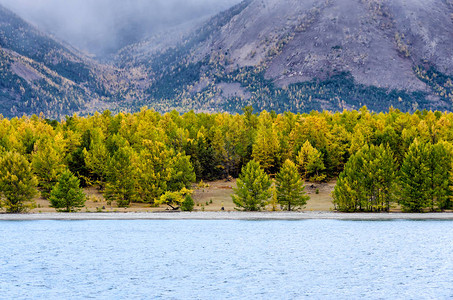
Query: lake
{"type": "Point", "coordinates": [215, 259]}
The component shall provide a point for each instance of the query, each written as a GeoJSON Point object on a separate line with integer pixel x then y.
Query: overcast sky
{"type": "Point", "coordinates": [103, 26]}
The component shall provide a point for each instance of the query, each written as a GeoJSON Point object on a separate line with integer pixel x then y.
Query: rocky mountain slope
{"type": "Point", "coordinates": [272, 54]}
{"type": "Point", "coordinates": [40, 74]}
{"type": "Point", "coordinates": [303, 55]}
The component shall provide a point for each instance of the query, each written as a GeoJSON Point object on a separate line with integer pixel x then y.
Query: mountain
{"type": "Point", "coordinates": [102, 27]}
{"type": "Point", "coordinates": [40, 74]}
{"type": "Point", "coordinates": [303, 55]}
{"type": "Point", "coordinates": [272, 54]}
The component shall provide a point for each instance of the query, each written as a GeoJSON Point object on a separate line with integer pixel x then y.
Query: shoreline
{"type": "Point", "coordinates": [233, 215]}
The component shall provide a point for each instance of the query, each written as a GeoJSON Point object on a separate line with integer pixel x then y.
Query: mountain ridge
{"type": "Point", "coordinates": [40, 74]}
{"type": "Point", "coordinates": [271, 54]}
{"type": "Point", "coordinates": [354, 49]}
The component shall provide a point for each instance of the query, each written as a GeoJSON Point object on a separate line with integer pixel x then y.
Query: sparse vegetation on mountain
{"type": "Point", "coordinates": [298, 56]}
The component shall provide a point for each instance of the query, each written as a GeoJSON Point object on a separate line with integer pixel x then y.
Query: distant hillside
{"type": "Point", "coordinates": [272, 54]}
{"type": "Point", "coordinates": [39, 74]}
{"type": "Point", "coordinates": [303, 55]}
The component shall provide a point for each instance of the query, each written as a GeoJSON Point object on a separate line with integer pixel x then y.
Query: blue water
{"type": "Point", "coordinates": [316, 259]}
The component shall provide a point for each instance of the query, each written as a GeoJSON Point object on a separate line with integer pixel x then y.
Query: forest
{"type": "Point", "coordinates": [379, 160]}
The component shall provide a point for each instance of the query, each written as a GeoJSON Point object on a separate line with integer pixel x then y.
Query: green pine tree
{"type": "Point", "coordinates": [439, 165]}
{"type": "Point", "coordinates": [154, 170]}
{"type": "Point", "coordinates": [415, 177]}
{"type": "Point", "coordinates": [383, 173]}
{"type": "Point", "coordinates": [182, 173]}
{"type": "Point", "coordinates": [290, 188]}
{"type": "Point", "coordinates": [253, 188]}
{"type": "Point", "coordinates": [67, 195]}
{"type": "Point", "coordinates": [349, 191]}
{"type": "Point", "coordinates": [122, 177]}
{"type": "Point", "coordinates": [367, 182]}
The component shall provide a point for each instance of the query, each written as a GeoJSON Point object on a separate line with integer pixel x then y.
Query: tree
{"type": "Point", "coordinates": [229, 143]}
{"type": "Point", "coordinates": [154, 170]}
{"type": "Point", "coordinates": [440, 181]}
{"type": "Point", "coordinates": [17, 182]}
{"type": "Point", "coordinates": [182, 173]}
{"type": "Point", "coordinates": [290, 188]}
{"type": "Point", "coordinates": [203, 158]}
{"type": "Point", "coordinates": [348, 191]}
{"type": "Point", "coordinates": [367, 182]}
{"type": "Point", "coordinates": [67, 195]}
{"type": "Point", "coordinates": [425, 176]}
{"type": "Point", "coordinates": [382, 177]}
{"type": "Point", "coordinates": [274, 200]}
{"type": "Point", "coordinates": [415, 177]}
{"type": "Point", "coordinates": [96, 156]}
{"type": "Point", "coordinates": [122, 177]}
{"type": "Point", "coordinates": [176, 199]}
{"type": "Point", "coordinates": [172, 199]}
{"type": "Point", "coordinates": [311, 163]}
{"type": "Point", "coordinates": [48, 162]}
{"type": "Point", "coordinates": [266, 147]}
{"type": "Point", "coordinates": [77, 159]}
{"type": "Point", "coordinates": [253, 188]}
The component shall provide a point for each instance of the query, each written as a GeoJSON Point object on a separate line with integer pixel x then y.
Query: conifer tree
{"type": "Point", "coordinates": [154, 170]}
{"type": "Point", "coordinates": [368, 181]}
{"type": "Point", "coordinates": [266, 146]}
{"type": "Point", "coordinates": [48, 162]}
{"type": "Point", "coordinates": [182, 173]}
{"type": "Point", "coordinates": [17, 182]}
{"type": "Point", "coordinates": [415, 177]}
{"type": "Point", "coordinates": [383, 171]}
{"type": "Point", "coordinates": [290, 188]}
{"type": "Point", "coordinates": [96, 156]}
{"type": "Point", "coordinates": [348, 192]}
{"type": "Point", "coordinates": [253, 188]}
{"type": "Point", "coordinates": [274, 200]}
{"type": "Point", "coordinates": [311, 163]}
{"type": "Point", "coordinates": [122, 177]}
{"type": "Point", "coordinates": [188, 203]}
{"type": "Point", "coordinates": [77, 161]}
{"type": "Point", "coordinates": [440, 168]}
{"type": "Point", "coordinates": [66, 195]}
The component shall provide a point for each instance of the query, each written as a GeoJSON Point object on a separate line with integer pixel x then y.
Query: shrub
{"type": "Point", "coordinates": [187, 204]}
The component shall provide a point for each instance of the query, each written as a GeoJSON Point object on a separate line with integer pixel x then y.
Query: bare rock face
{"type": "Point", "coordinates": [283, 54]}
{"type": "Point", "coordinates": [297, 55]}
{"type": "Point", "coordinates": [347, 36]}
{"type": "Point", "coordinates": [379, 42]}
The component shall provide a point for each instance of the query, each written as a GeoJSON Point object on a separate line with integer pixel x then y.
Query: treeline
{"type": "Point", "coordinates": [381, 159]}
{"type": "Point", "coordinates": [374, 181]}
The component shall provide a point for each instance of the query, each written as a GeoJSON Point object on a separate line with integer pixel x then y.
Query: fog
{"type": "Point", "coordinates": [102, 27]}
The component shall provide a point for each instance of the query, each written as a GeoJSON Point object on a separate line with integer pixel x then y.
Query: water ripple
{"type": "Point", "coordinates": [325, 259]}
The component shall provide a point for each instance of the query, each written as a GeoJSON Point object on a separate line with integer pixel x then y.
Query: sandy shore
{"type": "Point", "coordinates": [228, 216]}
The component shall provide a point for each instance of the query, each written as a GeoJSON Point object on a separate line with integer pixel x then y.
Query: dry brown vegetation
{"type": "Point", "coordinates": [212, 197]}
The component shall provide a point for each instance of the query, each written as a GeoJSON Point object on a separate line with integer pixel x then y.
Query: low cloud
{"type": "Point", "coordinates": [104, 26]}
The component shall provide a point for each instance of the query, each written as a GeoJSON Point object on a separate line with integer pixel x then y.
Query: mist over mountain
{"type": "Point", "coordinates": [282, 55]}
{"type": "Point", "coordinates": [103, 26]}
{"type": "Point", "coordinates": [40, 74]}
{"type": "Point", "coordinates": [304, 55]}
